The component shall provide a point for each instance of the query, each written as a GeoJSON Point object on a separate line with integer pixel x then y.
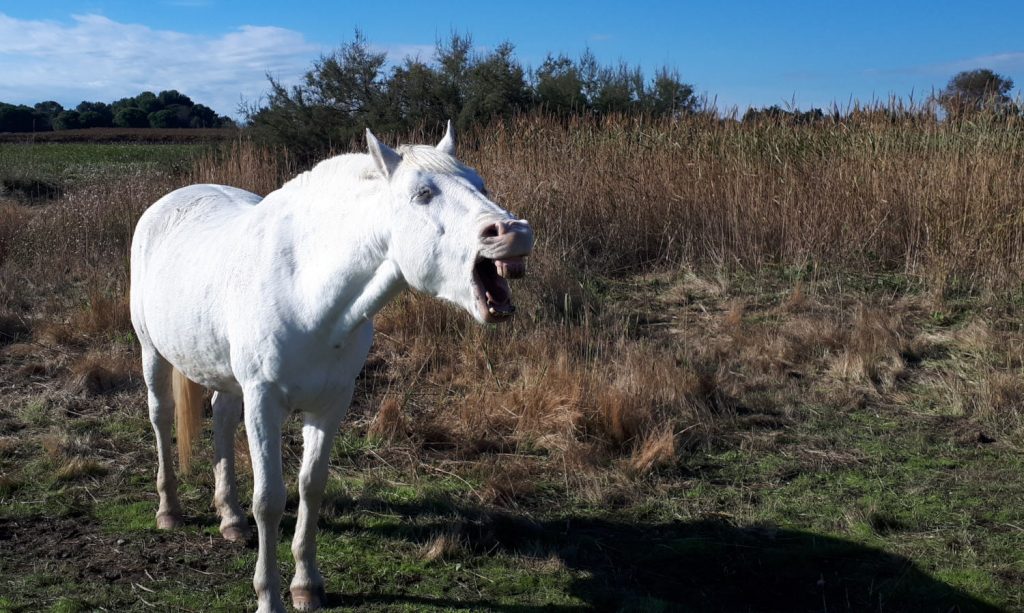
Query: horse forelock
{"type": "Point", "coordinates": [425, 157]}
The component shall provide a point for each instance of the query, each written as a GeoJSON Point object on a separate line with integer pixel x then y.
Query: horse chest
{"type": "Point", "coordinates": [316, 372]}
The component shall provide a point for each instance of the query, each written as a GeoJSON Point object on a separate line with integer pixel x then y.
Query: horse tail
{"type": "Point", "coordinates": [188, 410]}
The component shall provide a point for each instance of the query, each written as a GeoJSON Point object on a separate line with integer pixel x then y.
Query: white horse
{"type": "Point", "coordinates": [270, 301]}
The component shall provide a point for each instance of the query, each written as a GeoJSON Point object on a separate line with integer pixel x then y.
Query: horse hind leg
{"type": "Point", "coordinates": [227, 413]}
{"type": "Point", "coordinates": [156, 371]}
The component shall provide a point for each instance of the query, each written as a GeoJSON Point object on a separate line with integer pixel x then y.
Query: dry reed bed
{"type": "Point", "coordinates": [610, 372]}
{"type": "Point", "coordinates": [930, 199]}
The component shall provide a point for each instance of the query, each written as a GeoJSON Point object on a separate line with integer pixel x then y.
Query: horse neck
{"type": "Point", "coordinates": [339, 243]}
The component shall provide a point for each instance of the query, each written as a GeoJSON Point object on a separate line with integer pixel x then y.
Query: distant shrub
{"type": "Point", "coordinates": [67, 120]}
{"type": "Point", "coordinates": [166, 118]}
{"type": "Point", "coordinates": [131, 117]}
{"type": "Point", "coordinates": [16, 118]}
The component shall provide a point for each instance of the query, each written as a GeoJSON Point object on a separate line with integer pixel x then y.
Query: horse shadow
{"type": "Point", "coordinates": [703, 565]}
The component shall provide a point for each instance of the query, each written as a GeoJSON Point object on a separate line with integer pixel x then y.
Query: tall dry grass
{"type": "Point", "coordinates": [935, 200]}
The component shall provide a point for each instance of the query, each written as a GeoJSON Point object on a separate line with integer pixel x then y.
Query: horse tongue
{"type": "Point", "coordinates": [511, 268]}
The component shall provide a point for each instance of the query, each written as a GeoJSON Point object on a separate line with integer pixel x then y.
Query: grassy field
{"type": "Point", "coordinates": [46, 171]}
{"type": "Point", "coordinates": [756, 368]}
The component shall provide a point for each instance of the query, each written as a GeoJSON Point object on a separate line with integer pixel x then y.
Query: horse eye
{"type": "Point", "coordinates": [424, 195]}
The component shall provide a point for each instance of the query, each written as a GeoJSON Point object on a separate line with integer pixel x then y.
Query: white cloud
{"type": "Point", "coordinates": [1007, 62]}
{"type": "Point", "coordinates": [95, 58]}
{"type": "Point", "coordinates": [1010, 61]}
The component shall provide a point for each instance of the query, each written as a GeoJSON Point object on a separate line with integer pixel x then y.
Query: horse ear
{"type": "Point", "coordinates": [447, 144]}
{"type": "Point", "coordinates": [386, 158]}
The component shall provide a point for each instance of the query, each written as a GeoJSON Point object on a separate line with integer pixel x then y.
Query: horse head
{"type": "Point", "coordinates": [447, 237]}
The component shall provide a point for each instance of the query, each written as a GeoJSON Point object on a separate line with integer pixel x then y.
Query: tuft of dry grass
{"type": "Point", "coordinates": [656, 449]}
{"type": "Point", "coordinates": [875, 348]}
{"type": "Point", "coordinates": [443, 546]}
{"type": "Point", "coordinates": [389, 425]}
{"type": "Point", "coordinates": [104, 316]}
{"type": "Point", "coordinates": [81, 468]}
{"type": "Point", "coordinates": [999, 400]}
{"type": "Point", "coordinates": [98, 373]}
{"type": "Point", "coordinates": [507, 481]}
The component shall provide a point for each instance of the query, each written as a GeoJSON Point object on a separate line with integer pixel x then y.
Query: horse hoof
{"type": "Point", "coordinates": [235, 534]}
{"type": "Point", "coordinates": [169, 521]}
{"type": "Point", "coordinates": [308, 599]}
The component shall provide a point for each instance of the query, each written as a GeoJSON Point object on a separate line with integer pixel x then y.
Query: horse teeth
{"type": "Point", "coordinates": [492, 311]}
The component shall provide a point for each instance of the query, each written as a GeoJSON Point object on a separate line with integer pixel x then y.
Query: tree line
{"type": "Point", "coordinates": [354, 88]}
{"type": "Point", "coordinates": [968, 95]}
{"type": "Point", "coordinates": [168, 109]}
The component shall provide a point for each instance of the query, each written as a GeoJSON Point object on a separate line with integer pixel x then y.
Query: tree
{"type": "Point", "coordinates": [559, 87]}
{"type": "Point", "coordinates": [453, 60]}
{"type": "Point", "coordinates": [352, 88]}
{"type": "Point", "coordinates": [619, 89]}
{"type": "Point", "coordinates": [172, 97]}
{"type": "Point", "coordinates": [589, 70]}
{"type": "Point", "coordinates": [415, 95]}
{"type": "Point", "coordinates": [67, 120]}
{"type": "Point", "coordinates": [131, 117]}
{"type": "Point", "coordinates": [495, 87]}
{"type": "Point", "coordinates": [972, 91]}
{"type": "Point", "coordinates": [95, 115]}
{"type": "Point", "coordinates": [46, 112]}
{"type": "Point", "coordinates": [148, 102]}
{"type": "Point", "coordinates": [338, 98]}
{"type": "Point", "coordinates": [668, 95]}
{"type": "Point", "coordinates": [18, 118]}
{"type": "Point", "coordinates": [165, 118]}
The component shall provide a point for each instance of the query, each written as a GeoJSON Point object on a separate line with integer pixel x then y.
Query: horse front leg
{"type": "Point", "coordinates": [227, 412]}
{"type": "Point", "coordinates": [307, 588]}
{"type": "Point", "coordinates": [264, 414]}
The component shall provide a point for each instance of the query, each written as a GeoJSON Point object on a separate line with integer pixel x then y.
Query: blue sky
{"type": "Point", "coordinates": [739, 53]}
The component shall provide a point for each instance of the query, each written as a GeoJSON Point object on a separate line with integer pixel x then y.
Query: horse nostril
{"type": "Point", "coordinates": [495, 229]}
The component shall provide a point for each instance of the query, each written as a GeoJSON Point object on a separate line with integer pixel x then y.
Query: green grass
{"type": "Point", "coordinates": [43, 170]}
{"type": "Point", "coordinates": [918, 523]}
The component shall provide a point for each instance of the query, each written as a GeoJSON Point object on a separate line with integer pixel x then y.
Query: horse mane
{"type": "Point", "coordinates": [346, 168]}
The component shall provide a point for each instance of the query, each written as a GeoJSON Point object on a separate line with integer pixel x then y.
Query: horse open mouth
{"type": "Point", "coordinates": [491, 287]}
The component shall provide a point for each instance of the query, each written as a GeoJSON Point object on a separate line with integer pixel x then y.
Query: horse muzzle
{"type": "Point", "coordinates": [504, 246]}
{"type": "Point", "coordinates": [507, 243]}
